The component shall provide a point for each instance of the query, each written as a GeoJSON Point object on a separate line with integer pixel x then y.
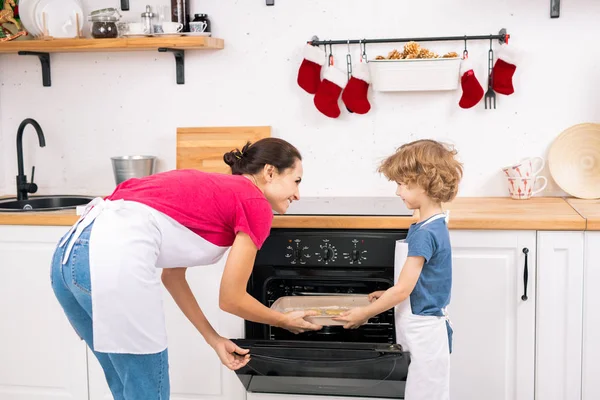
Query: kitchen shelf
{"type": "Point", "coordinates": [118, 44]}
{"type": "Point", "coordinates": [177, 45]}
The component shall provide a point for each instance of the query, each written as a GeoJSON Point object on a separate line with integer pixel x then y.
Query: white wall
{"type": "Point", "coordinates": [107, 104]}
{"type": "Point", "coordinates": [3, 162]}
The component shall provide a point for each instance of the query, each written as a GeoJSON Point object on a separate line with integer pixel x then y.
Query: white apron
{"type": "Point", "coordinates": [426, 338]}
{"type": "Point", "coordinates": [129, 243]}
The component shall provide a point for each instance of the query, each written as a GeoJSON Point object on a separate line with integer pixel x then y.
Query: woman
{"type": "Point", "coordinates": [107, 270]}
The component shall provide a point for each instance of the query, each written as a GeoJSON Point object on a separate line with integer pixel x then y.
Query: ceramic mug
{"type": "Point", "coordinates": [198, 26]}
{"type": "Point", "coordinates": [524, 168]}
{"type": "Point", "coordinates": [135, 28]}
{"type": "Point", "coordinates": [171, 27]}
{"type": "Point", "coordinates": [523, 188]}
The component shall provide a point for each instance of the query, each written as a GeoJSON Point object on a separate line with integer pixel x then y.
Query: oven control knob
{"type": "Point", "coordinates": [355, 256]}
{"type": "Point", "coordinates": [297, 253]}
{"type": "Point", "coordinates": [328, 254]}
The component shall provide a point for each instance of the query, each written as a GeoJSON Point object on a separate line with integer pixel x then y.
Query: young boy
{"type": "Point", "coordinates": [427, 175]}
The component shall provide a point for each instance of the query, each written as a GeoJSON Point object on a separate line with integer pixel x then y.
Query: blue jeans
{"type": "Point", "coordinates": [129, 376]}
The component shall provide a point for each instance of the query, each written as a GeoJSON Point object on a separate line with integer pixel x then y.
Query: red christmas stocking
{"type": "Point", "coordinates": [326, 99]}
{"type": "Point", "coordinates": [309, 74]}
{"type": "Point", "coordinates": [504, 69]}
{"type": "Point", "coordinates": [472, 92]}
{"type": "Point", "coordinates": [355, 93]}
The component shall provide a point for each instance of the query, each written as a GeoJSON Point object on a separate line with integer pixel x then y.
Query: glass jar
{"type": "Point", "coordinates": [104, 23]}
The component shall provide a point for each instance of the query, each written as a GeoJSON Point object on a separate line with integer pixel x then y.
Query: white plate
{"type": "Point", "coordinates": [196, 33]}
{"type": "Point", "coordinates": [168, 34]}
{"type": "Point", "coordinates": [27, 14]}
{"type": "Point", "coordinates": [61, 20]}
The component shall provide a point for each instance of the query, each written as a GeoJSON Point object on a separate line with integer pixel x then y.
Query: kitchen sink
{"type": "Point", "coordinates": [43, 203]}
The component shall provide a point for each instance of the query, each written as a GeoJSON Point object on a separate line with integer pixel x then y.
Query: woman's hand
{"type": "Point", "coordinates": [231, 355]}
{"type": "Point", "coordinates": [353, 318]}
{"type": "Point", "coordinates": [294, 322]}
{"type": "Point", "coordinates": [375, 295]}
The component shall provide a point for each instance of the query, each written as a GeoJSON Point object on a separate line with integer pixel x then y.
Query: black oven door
{"type": "Point", "coordinates": [325, 368]}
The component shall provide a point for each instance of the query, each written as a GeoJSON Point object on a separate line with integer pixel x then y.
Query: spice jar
{"type": "Point", "coordinates": [202, 18]}
{"type": "Point", "coordinates": [104, 23]}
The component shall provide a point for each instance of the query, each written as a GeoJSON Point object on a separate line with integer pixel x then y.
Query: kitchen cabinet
{"type": "Point", "coordinates": [494, 327]}
{"type": "Point", "coordinates": [591, 317]}
{"type": "Point", "coordinates": [505, 347]}
{"type": "Point", "coordinates": [195, 370]}
{"type": "Point", "coordinates": [42, 357]}
{"type": "Point", "coordinates": [559, 315]}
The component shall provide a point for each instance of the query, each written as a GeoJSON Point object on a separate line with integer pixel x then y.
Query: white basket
{"type": "Point", "coordinates": [415, 74]}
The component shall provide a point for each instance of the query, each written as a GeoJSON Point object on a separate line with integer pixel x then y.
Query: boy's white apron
{"type": "Point", "coordinates": [129, 244]}
{"type": "Point", "coordinates": [426, 338]}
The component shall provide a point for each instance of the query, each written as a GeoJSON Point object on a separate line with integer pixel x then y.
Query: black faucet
{"type": "Point", "coordinates": [23, 188]}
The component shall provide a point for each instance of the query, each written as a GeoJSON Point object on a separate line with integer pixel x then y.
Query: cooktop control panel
{"type": "Point", "coordinates": [344, 248]}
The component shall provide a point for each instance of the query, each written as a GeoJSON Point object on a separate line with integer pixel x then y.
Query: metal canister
{"type": "Point", "coordinates": [147, 18]}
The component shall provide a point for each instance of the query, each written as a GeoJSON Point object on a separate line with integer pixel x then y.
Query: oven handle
{"type": "Point", "coordinates": [366, 387]}
{"type": "Point", "coordinates": [295, 360]}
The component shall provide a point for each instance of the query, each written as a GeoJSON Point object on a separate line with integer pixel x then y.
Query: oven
{"type": "Point", "coordinates": [364, 362]}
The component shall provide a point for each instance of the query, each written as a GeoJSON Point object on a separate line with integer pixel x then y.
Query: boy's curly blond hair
{"type": "Point", "coordinates": [428, 164]}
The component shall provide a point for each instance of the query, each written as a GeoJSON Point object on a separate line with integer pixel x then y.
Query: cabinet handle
{"type": "Point", "coordinates": [525, 275]}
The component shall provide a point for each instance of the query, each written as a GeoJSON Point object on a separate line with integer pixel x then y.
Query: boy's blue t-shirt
{"type": "Point", "coordinates": [432, 291]}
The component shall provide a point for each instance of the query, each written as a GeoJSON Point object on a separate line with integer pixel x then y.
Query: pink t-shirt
{"type": "Point", "coordinates": [214, 206]}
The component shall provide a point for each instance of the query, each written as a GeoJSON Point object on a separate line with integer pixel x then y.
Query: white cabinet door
{"type": "Point", "coordinates": [559, 316]}
{"type": "Point", "coordinates": [494, 327]}
{"type": "Point", "coordinates": [41, 356]}
{"type": "Point", "coordinates": [591, 317]}
{"type": "Point", "coordinates": [194, 368]}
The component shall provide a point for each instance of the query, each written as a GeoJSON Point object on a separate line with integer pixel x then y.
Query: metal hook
{"type": "Point", "coordinates": [349, 68]}
{"type": "Point", "coordinates": [331, 61]}
{"type": "Point", "coordinates": [465, 52]}
{"type": "Point", "coordinates": [491, 65]}
{"type": "Point", "coordinates": [349, 61]}
{"type": "Point", "coordinates": [363, 47]}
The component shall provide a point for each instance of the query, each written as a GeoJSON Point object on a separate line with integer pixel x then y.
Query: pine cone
{"type": "Point", "coordinates": [452, 54]}
{"type": "Point", "coordinates": [425, 53]}
{"type": "Point", "coordinates": [394, 55]}
{"type": "Point", "coordinates": [411, 48]}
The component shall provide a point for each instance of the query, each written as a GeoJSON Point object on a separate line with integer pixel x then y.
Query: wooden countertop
{"type": "Point", "coordinates": [589, 210]}
{"type": "Point", "coordinates": [485, 213]}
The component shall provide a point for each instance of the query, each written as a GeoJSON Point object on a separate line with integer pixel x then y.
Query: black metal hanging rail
{"type": "Point", "coordinates": [502, 37]}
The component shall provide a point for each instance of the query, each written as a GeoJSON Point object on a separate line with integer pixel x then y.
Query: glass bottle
{"type": "Point", "coordinates": [180, 12]}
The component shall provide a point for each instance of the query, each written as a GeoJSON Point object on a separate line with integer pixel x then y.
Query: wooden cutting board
{"type": "Point", "coordinates": [203, 148]}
